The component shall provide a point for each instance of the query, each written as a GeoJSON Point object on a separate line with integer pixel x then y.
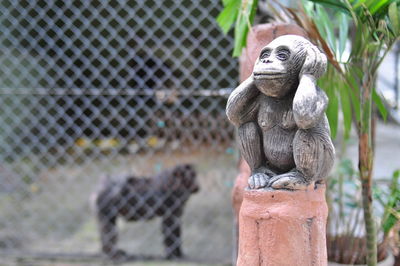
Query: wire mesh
{"type": "Point", "coordinates": [122, 91]}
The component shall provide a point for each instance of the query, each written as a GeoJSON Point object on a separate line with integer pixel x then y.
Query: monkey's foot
{"type": "Point", "coordinates": [260, 178]}
{"type": "Point", "coordinates": [118, 255]}
{"type": "Point", "coordinates": [292, 181]}
{"type": "Point", "coordinates": [175, 254]}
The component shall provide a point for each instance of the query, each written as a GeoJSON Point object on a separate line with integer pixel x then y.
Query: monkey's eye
{"type": "Point", "coordinates": [265, 54]}
{"type": "Point", "coordinates": [283, 54]}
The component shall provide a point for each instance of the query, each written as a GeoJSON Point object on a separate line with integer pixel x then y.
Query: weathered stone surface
{"type": "Point", "coordinates": [258, 37]}
{"type": "Point", "coordinates": [279, 111]}
{"type": "Point", "coordinates": [279, 227]}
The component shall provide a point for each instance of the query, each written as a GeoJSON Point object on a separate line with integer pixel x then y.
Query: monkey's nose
{"type": "Point", "coordinates": [267, 61]}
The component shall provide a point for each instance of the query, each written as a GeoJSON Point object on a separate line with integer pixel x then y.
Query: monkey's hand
{"type": "Point", "coordinates": [293, 180]}
{"type": "Point", "coordinates": [260, 178]}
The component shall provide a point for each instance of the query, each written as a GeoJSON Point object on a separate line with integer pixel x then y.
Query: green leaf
{"type": "Point", "coordinates": [355, 100]}
{"type": "Point", "coordinates": [396, 174]}
{"type": "Point", "coordinates": [356, 4]}
{"type": "Point", "coordinates": [389, 223]}
{"type": "Point", "coordinates": [346, 110]}
{"type": "Point", "coordinates": [334, 4]}
{"type": "Point", "coordinates": [392, 211]}
{"type": "Point", "coordinates": [228, 15]}
{"type": "Point", "coordinates": [308, 8]}
{"type": "Point", "coordinates": [314, 13]}
{"type": "Point", "coordinates": [394, 18]}
{"type": "Point", "coordinates": [343, 34]}
{"type": "Point", "coordinates": [377, 6]}
{"type": "Point", "coordinates": [244, 21]}
{"type": "Point", "coordinates": [379, 199]}
{"type": "Point", "coordinates": [395, 188]}
{"type": "Point", "coordinates": [353, 78]}
{"type": "Point", "coordinates": [358, 43]}
{"type": "Point", "coordinates": [332, 112]}
{"type": "Point", "coordinates": [378, 101]}
{"type": "Point", "coordinates": [241, 30]}
{"type": "Point", "coordinates": [325, 21]}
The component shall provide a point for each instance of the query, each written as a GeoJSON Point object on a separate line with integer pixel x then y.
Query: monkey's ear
{"type": "Point", "coordinates": [310, 102]}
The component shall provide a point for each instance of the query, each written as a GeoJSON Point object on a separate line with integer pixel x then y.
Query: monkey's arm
{"type": "Point", "coordinates": [242, 105]}
{"type": "Point", "coordinates": [309, 103]}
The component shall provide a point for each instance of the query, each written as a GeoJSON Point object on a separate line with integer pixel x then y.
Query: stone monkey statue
{"type": "Point", "coordinates": [279, 111]}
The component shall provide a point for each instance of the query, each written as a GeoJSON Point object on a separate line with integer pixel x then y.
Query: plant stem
{"type": "Point", "coordinates": [365, 167]}
{"type": "Point", "coordinates": [370, 226]}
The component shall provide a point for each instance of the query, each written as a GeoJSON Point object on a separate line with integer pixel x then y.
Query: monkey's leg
{"type": "Point", "coordinates": [109, 235]}
{"type": "Point", "coordinates": [313, 155]}
{"type": "Point", "coordinates": [171, 229]}
{"type": "Point", "coordinates": [251, 149]}
{"type": "Point", "coordinates": [251, 145]}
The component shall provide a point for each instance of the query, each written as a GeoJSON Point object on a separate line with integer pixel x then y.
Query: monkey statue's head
{"type": "Point", "coordinates": [283, 62]}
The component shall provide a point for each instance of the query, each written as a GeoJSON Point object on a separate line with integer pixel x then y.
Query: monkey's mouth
{"type": "Point", "coordinates": [269, 75]}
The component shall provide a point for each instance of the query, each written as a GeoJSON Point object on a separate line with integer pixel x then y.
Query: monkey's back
{"type": "Point", "coordinates": [140, 199]}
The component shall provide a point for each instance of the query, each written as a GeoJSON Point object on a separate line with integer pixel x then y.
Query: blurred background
{"type": "Point", "coordinates": [93, 88]}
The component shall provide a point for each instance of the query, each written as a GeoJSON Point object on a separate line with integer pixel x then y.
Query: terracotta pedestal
{"type": "Point", "coordinates": [280, 227]}
{"type": "Point", "coordinates": [240, 185]}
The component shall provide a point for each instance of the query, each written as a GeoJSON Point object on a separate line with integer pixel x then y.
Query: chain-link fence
{"type": "Point", "coordinates": [95, 91]}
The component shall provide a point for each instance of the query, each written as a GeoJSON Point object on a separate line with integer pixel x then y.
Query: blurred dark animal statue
{"type": "Point", "coordinates": [136, 199]}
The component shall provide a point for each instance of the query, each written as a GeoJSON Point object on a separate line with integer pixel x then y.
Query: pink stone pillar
{"type": "Point", "coordinates": [278, 227]}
